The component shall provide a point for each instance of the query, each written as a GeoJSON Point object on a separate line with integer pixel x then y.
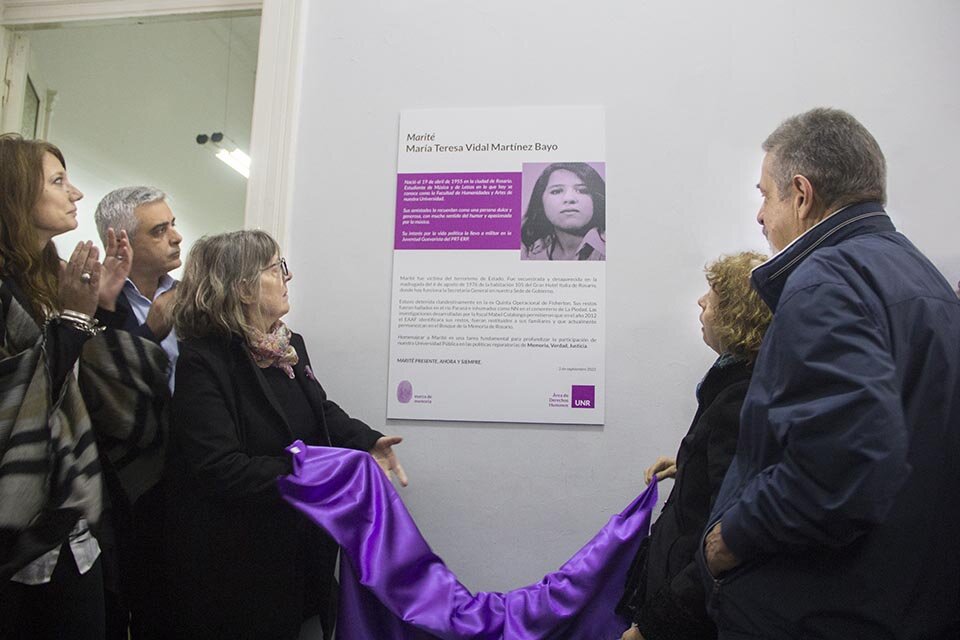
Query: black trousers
{"type": "Point", "coordinates": [134, 569]}
{"type": "Point", "coordinates": [69, 606]}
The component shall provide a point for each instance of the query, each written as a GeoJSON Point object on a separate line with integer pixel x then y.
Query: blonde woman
{"type": "Point", "coordinates": [665, 593]}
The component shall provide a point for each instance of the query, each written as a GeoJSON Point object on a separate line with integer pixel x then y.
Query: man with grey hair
{"type": "Point", "coordinates": [133, 543]}
{"type": "Point", "coordinates": [840, 515]}
{"type": "Point", "coordinates": [146, 302]}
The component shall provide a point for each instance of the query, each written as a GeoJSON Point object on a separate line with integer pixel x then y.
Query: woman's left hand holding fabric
{"type": "Point", "coordinates": [664, 467]}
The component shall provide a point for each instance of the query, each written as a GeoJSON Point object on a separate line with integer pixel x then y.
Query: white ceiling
{"type": "Point", "coordinates": [131, 99]}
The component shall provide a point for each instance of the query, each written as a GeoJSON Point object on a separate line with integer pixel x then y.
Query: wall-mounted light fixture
{"type": "Point", "coordinates": [227, 151]}
{"type": "Point", "coordinates": [223, 147]}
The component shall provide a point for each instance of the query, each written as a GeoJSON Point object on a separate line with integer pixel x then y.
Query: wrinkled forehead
{"type": "Point", "coordinates": [153, 213]}
{"type": "Point", "coordinates": [767, 171]}
{"type": "Point", "coordinates": [768, 164]}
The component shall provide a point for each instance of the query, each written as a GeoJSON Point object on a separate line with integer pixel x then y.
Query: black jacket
{"type": "Point", "coordinates": [243, 563]}
{"type": "Point", "coordinates": [665, 594]}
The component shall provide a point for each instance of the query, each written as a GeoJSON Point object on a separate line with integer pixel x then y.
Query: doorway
{"type": "Point", "coordinates": [276, 100]}
{"type": "Point", "coordinates": [126, 100]}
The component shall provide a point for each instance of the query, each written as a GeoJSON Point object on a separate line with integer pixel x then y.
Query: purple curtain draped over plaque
{"type": "Point", "coordinates": [393, 587]}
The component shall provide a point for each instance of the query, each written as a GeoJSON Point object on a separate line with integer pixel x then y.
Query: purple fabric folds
{"type": "Point", "coordinates": [393, 587]}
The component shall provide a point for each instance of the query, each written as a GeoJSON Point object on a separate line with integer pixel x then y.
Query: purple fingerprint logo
{"type": "Point", "coordinates": [405, 391]}
{"type": "Point", "coordinates": [582, 396]}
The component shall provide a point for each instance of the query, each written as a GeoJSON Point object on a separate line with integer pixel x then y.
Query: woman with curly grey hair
{"type": "Point", "coordinates": [243, 563]}
{"type": "Point", "coordinates": [664, 594]}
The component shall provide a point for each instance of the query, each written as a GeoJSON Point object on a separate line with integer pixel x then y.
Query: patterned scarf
{"type": "Point", "coordinates": [273, 349]}
{"type": "Point", "coordinates": [49, 470]}
{"type": "Point", "coordinates": [49, 464]}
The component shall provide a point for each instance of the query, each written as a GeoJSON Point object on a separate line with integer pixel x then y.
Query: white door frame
{"type": "Point", "coordinates": [276, 94]}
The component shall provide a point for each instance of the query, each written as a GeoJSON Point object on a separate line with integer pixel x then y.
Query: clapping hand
{"type": "Point", "coordinates": [116, 268]}
{"type": "Point", "coordinates": [80, 279]}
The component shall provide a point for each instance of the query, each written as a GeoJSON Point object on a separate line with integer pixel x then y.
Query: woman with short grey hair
{"type": "Point", "coordinates": [242, 563]}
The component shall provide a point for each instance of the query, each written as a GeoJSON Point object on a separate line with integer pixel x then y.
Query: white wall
{"type": "Point", "coordinates": [691, 89]}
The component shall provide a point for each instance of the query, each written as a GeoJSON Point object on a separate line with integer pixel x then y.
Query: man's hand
{"type": "Point", "coordinates": [663, 468]}
{"type": "Point", "coordinates": [383, 453]}
{"type": "Point", "coordinates": [160, 316]}
{"type": "Point", "coordinates": [116, 268]}
{"type": "Point", "coordinates": [719, 557]}
{"type": "Point", "coordinates": [632, 634]}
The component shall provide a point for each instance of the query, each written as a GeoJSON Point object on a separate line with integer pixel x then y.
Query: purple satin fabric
{"type": "Point", "coordinates": [393, 587]}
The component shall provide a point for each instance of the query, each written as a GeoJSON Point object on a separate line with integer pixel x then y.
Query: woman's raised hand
{"type": "Point", "coordinates": [80, 279]}
{"type": "Point", "coordinates": [116, 268]}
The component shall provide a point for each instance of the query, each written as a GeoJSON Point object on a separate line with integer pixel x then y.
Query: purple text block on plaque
{"type": "Point", "coordinates": [458, 211]}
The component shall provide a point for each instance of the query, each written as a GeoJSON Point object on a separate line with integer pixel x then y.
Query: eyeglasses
{"type": "Point", "coordinates": [282, 263]}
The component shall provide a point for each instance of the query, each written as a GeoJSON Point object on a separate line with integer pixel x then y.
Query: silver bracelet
{"type": "Point", "coordinates": [78, 315]}
{"type": "Point", "coordinates": [80, 321]}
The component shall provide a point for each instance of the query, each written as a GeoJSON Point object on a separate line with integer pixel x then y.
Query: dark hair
{"type": "Point", "coordinates": [21, 183]}
{"type": "Point", "coordinates": [837, 154]}
{"type": "Point", "coordinates": [535, 224]}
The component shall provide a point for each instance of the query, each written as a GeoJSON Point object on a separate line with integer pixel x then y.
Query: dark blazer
{"type": "Point", "coordinates": [242, 563]}
{"type": "Point", "coordinates": [125, 319]}
{"type": "Point", "coordinates": [665, 594]}
{"type": "Point", "coordinates": [131, 535]}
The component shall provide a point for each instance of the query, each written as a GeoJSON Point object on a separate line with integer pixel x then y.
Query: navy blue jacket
{"type": "Point", "coordinates": [125, 319]}
{"type": "Point", "coordinates": [843, 499]}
